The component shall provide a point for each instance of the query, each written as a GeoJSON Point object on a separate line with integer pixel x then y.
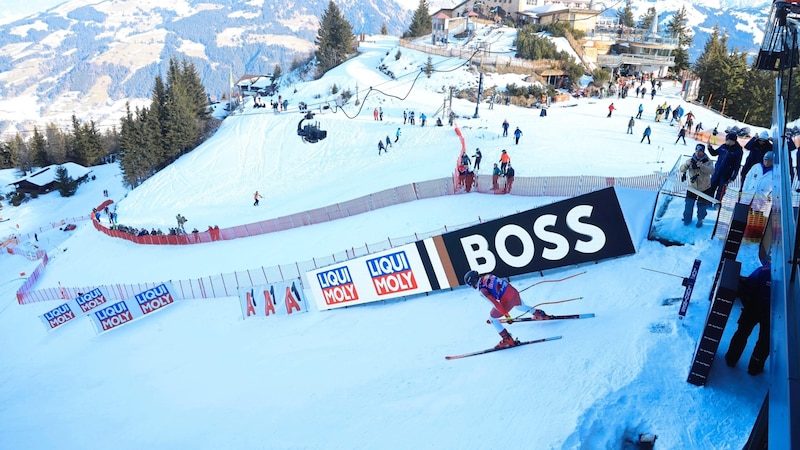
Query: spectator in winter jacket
{"type": "Point", "coordinates": [757, 186]}
{"type": "Point", "coordinates": [465, 160]}
{"type": "Point", "coordinates": [509, 178]}
{"type": "Point", "coordinates": [681, 135]}
{"type": "Point", "coordinates": [729, 157]}
{"type": "Point", "coordinates": [697, 171]}
{"type": "Point", "coordinates": [505, 160]}
{"type": "Point", "coordinates": [631, 123]}
{"type": "Point", "coordinates": [758, 147]}
{"type": "Point", "coordinates": [504, 297]}
{"type": "Point", "coordinates": [754, 292]}
{"type": "Point", "coordinates": [646, 135]}
{"type": "Point", "coordinates": [477, 157]}
{"type": "Point", "coordinates": [495, 175]}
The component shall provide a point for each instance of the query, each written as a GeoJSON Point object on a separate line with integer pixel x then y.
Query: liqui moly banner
{"type": "Point", "coordinates": [389, 274]}
{"type": "Point", "coordinates": [125, 311]}
{"type": "Point", "coordinates": [76, 307]}
{"type": "Point", "coordinates": [277, 299]}
{"type": "Point", "coordinates": [59, 315]}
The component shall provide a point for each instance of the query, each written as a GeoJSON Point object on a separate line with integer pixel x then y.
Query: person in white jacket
{"type": "Point", "coordinates": [757, 188]}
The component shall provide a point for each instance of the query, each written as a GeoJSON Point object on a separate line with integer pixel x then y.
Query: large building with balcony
{"type": "Point", "coordinates": [636, 50]}
{"type": "Point", "coordinates": [606, 43]}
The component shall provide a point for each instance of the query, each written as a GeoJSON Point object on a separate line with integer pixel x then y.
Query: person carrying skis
{"type": "Point", "coordinates": [504, 297]}
{"type": "Point", "coordinates": [697, 171]}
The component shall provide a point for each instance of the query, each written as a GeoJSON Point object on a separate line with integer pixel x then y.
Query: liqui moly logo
{"type": "Point", "coordinates": [337, 286]}
{"type": "Point", "coordinates": [91, 300]}
{"type": "Point", "coordinates": [59, 316]}
{"type": "Point", "coordinates": [113, 316]}
{"type": "Point", "coordinates": [391, 273]}
{"type": "Point", "coordinates": [154, 299]}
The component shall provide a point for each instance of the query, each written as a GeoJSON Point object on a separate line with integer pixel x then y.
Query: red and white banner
{"type": "Point", "coordinates": [79, 306]}
{"type": "Point", "coordinates": [277, 299]}
{"type": "Point", "coordinates": [125, 311]}
{"type": "Point", "coordinates": [397, 272]}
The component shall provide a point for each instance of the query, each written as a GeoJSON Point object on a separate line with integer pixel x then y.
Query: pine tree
{"type": "Point", "coordinates": [180, 130]}
{"type": "Point", "coordinates": [64, 183]}
{"type": "Point", "coordinates": [646, 21]}
{"type": "Point", "coordinates": [334, 39]}
{"type": "Point", "coordinates": [710, 66]}
{"type": "Point", "coordinates": [276, 73]}
{"type": "Point", "coordinates": [137, 151]}
{"type": "Point", "coordinates": [38, 146]}
{"type": "Point", "coordinates": [85, 144]}
{"type": "Point", "coordinates": [677, 28]}
{"type": "Point", "coordinates": [625, 15]}
{"type": "Point", "coordinates": [56, 144]}
{"type": "Point", "coordinates": [429, 66]}
{"type": "Point", "coordinates": [421, 23]}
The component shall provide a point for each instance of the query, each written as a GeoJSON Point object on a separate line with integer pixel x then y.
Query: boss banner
{"type": "Point", "coordinates": [389, 274]}
{"type": "Point", "coordinates": [276, 299]}
{"type": "Point", "coordinates": [586, 228]}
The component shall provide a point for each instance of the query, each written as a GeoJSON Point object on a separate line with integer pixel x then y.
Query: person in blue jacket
{"type": "Point", "coordinates": [729, 158]}
{"type": "Point", "coordinates": [646, 135]}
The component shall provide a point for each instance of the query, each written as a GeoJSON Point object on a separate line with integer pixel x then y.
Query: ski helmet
{"type": "Point", "coordinates": [700, 147]}
{"type": "Point", "coordinates": [471, 278]}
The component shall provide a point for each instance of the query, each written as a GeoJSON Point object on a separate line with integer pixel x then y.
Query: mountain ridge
{"type": "Point", "coordinates": [89, 58]}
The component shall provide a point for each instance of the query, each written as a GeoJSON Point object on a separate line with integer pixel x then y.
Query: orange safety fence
{"type": "Point", "coordinates": [226, 285]}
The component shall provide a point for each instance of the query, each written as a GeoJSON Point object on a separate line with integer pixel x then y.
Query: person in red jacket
{"type": "Point", "coordinates": [611, 109]}
{"type": "Point", "coordinates": [504, 297]}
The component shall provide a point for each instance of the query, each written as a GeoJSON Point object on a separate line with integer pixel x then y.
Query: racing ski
{"type": "Point", "coordinates": [489, 350]}
{"type": "Point", "coordinates": [552, 317]}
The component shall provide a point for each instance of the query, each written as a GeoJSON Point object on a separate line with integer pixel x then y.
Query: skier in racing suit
{"type": "Point", "coordinates": [504, 297]}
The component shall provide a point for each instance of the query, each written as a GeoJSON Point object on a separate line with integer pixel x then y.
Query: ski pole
{"type": "Point", "coordinates": [664, 273]}
{"type": "Point", "coordinates": [552, 281]}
